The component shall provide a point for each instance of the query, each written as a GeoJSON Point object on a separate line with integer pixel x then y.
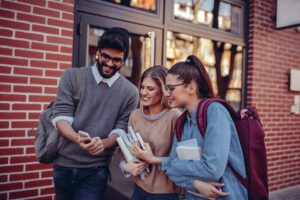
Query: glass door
{"type": "Point", "coordinates": [144, 42]}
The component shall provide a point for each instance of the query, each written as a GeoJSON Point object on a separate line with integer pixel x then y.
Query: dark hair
{"type": "Point", "coordinates": [193, 70]}
{"type": "Point", "coordinates": [115, 38]}
{"type": "Point", "coordinates": [158, 73]}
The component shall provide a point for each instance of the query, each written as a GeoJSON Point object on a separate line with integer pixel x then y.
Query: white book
{"type": "Point", "coordinates": [188, 153]}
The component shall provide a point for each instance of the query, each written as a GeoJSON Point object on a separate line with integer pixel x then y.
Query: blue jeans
{"type": "Point", "coordinates": [140, 194]}
{"type": "Point", "coordinates": [80, 183]}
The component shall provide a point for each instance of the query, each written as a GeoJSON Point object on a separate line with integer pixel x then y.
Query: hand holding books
{"type": "Point", "coordinates": [125, 142]}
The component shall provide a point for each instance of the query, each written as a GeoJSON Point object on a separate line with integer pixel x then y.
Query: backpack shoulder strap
{"type": "Point", "coordinates": [179, 125]}
{"type": "Point", "coordinates": [202, 112]}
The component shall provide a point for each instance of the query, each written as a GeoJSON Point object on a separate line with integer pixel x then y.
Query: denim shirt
{"type": "Point", "coordinates": [220, 146]}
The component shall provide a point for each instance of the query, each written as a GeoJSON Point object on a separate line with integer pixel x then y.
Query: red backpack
{"type": "Point", "coordinates": [251, 136]}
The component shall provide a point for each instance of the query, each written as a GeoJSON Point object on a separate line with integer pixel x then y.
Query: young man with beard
{"type": "Point", "coordinates": [107, 98]}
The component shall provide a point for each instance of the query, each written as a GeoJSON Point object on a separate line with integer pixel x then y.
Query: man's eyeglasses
{"type": "Point", "coordinates": [107, 58]}
{"type": "Point", "coordinates": [171, 88]}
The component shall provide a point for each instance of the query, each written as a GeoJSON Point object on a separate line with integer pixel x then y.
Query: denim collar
{"type": "Point", "coordinates": [192, 118]}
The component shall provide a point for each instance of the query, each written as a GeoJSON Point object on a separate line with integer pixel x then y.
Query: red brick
{"type": "Point", "coordinates": [68, 16]}
{"type": "Point", "coordinates": [3, 178]}
{"type": "Point", "coordinates": [6, 51]}
{"type": "Point", "coordinates": [54, 73]}
{"type": "Point", "coordinates": [60, 23]}
{"type": "Point", "coordinates": [45, 29]}
{"type": "Point", "coordinates": [22, 142]}
{"type": "Point", "coordinates": [58, 57]}
{"type": "Point", "coordinates": [61, 6]}
{"type": "Point", "coordinates": [15, 6]}
{"type": "Point", "coordinates": [43, 81]}
{"type": "Point", "coordinates": [47, 174]}
{"type": "Point", "coordinates": [17, 106]}
{"type": "Point", "coordinates": [4, 160]}
{"type": "Point", "coordinates": [64, 65]}
{"type": "Point", "coordinates": [5, 70]}
{"type": "Point", "coordinates": [23, 176]}
{"type": "Point", "coordinates": [46, 12]}
{"type": "Point", "coordinates": [24, 124]}
{"type": "Point", "coordinates": [11, 168]}
{"type": "Point", "coordinates": [59, 40]}
{"type": "Point", "coordinates": [12, 133]}
{"type": "Point", "coordinates": [34, 2]}
{"type": "Point", "coordinates": [13, 115]}
{"type": "Point", "coordinates": [29, 54]}
{"type": "Point", "coordinates": [11, 151]}
{"type": "Point", "coordinates": [10, 186]}
{"type": "Point", "coordinates": [5, 32]}
{"type": "Point", "coordinates": [22, 159]}
{"type": "Point", "coordinates": [4, 143]}
{"type": "Point", "coordinates": [67, 33]}
{"type": "Point", "coordinates": [50, 190]}
{"type": "Point", "coordinates": [31, 18]}
{"type": "Point", "coordinates": [34, 167]}
{"type": "Point", "coordinates": [35, 115]}
{"type": "Point", "coordinates": [4, 124]}
{"type": "Point", "coordinates": [13, 79]}
{"type": "Point", "coordinates": [14, 43]}
{"type": "Point", "coordinates": [33, 98]}
{"type": "Point", "coordinates": [13, 61]}
{"type": "Point", "coordinates": [30, 150]}
{"type": "Point", "coordinates": [12, 97]}
{"type": "Point", "coordinates": [38, 183]}
{"type": "Point", "coordinates": [43, 46]}
{"type": "Point", "coordinates": [66, 49]}
{"type": "Point", "coordinates": [43, 64]}
{"type": "Point", "coordinates": [50, 90]}
{"type": "Point", "coordinates": [30, 36]}
{"type": "Point", "coordinates": [14, 25]}
{"type": "Point", "coordinates": [42, 198]}
{"type": "Point", "coordinates": [28, 89]}
{"type": "Point", "coordinates": [24, 193]}
{"type": "Point", "coordinates": [5, 88]}
{"type": "Point", "coordinates": [4, 195]}
{"type": "Point", "coordinates": [28, 71]}
{"type": "Point", "coordinates": [7, 14]}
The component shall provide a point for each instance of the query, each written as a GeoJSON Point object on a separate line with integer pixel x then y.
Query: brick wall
{"type": "Point", "coordinates": [271, 54]}
{"type": "Point", "coordinates": [35, 48]}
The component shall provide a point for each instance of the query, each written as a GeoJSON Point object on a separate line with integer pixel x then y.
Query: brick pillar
{"type": "Point", "coordinates": [272, 53]}
{"type": "Point", "coordinates": [36, 38]}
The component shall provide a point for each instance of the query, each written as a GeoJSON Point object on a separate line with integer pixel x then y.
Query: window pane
{"type": "Point", "coordinates": [225, 17]}
{"type": "Point", "coordinates": [138, 58]}
{"type": "Point", "coordinates": [223, 61]}
{"type": "Point", "coordinates": [144, 5]}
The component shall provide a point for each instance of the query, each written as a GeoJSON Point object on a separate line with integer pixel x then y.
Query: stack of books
{"type": "Point", "coordinates": [125, 141]}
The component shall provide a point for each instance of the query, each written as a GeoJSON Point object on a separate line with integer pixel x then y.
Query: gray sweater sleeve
{"type": "Point", "coordinates": [122, 121]}
{"type": "Point", "coordinates": [64, 104]}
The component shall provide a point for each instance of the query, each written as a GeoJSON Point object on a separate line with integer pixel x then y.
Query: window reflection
{"type": "Point", "coordinates": [212, 13]}
{"type": "Point", "coordinates": [145, 5]}
{"type": "Point", "coordinates": [223, 61]}
{"type": "Point", "coordinates": [138, 58]}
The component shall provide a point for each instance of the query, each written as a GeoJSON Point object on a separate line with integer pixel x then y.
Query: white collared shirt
{"type": "Point", "coordinates": [110, 81]}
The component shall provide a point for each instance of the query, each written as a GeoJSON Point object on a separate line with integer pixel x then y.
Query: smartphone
{"type": "Point", "coordinates": [85, 134]}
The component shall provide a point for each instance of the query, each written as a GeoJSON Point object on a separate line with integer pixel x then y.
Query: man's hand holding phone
{"type": "Point", "coordinates": [93, 145]}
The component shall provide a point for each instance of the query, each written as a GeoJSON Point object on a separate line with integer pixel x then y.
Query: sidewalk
{"type": "Point", "coordinates": [292, 193]}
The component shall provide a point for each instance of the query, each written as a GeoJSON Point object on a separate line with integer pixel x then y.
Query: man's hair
{"type": "Point", "coordinates": [115, 38]}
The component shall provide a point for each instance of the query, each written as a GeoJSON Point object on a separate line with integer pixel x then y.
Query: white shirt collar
{"type": "Point", "coordinates": [110, 81]}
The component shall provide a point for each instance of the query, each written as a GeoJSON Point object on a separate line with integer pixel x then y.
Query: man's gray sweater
{"type": "Point", "coordinates": [100, 110]}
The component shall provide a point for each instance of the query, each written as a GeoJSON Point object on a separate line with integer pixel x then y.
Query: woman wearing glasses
{"type": "Point", "coordinates": [155, 122]}
{"type": "Point", "coordinates": [188, 83]}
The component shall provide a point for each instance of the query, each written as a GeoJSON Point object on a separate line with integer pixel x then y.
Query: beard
{"type": "Point", "coordinates": [102, 65]}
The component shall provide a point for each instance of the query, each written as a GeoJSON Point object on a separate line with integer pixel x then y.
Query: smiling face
{"type": "Point", "coordinates": [110, 61]}
{"type": "Point", "coordinates": [177, 91]}
{"type": "Point", "coordinates": [150, 93]}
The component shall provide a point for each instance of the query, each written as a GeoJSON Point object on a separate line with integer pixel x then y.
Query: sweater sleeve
{"type": "Point", "coordinates": [64, 104]}
{"type": "Point", "coordinates": [131, 105]}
